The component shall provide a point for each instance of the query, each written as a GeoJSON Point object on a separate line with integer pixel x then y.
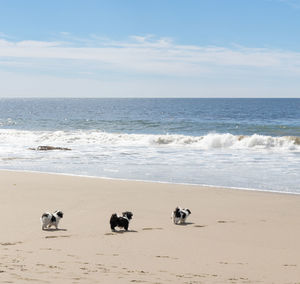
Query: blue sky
{"type": "Point", "coordinates": [150, 48]}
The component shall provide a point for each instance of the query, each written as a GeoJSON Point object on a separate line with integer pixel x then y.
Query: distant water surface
{"type": "Point", "coordinates": [245, 143]}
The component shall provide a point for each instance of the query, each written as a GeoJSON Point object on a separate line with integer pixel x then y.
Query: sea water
{"type": "Point", "coordinates": [243, 143]}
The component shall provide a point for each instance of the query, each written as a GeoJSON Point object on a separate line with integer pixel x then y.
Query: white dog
{"type": "Point", "coordinates": [179, 215]}
{"type": "Point", "coordinates": [49, 219]}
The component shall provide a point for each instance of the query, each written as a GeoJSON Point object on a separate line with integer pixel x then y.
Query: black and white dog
{"type": "Point", "coordinates": [179, 215]}
{"type": "Point", "coordinates": [120, 221]}
{"type": "Point", "coordinates": [49, 219]}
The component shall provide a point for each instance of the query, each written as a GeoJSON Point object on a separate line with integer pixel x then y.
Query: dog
{"type": "Point", "coordinates": [120, 221]}
{"type": "Point", "coordinates": [48, 220]}
{"type": "Point", "coordinates": [179, 215]}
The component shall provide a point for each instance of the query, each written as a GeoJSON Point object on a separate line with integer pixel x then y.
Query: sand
{"type": "Point", "coordinates": [232, 236]}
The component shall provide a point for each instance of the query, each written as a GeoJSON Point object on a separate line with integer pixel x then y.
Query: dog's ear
{"type": "Point", "coordinates": [188, 210]}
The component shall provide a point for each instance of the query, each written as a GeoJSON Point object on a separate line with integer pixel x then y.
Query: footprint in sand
{"type": "Point", "coordinates": [233, 279]}
{"type": "Point", "coordinates": [55, 267]}
{"type": "Point", "coordinates": [200, 275]}
{"type": "Point", "coordinates": [223, 221]}
{"type": "Point", "coordinates": [40, 264]}
{"type": "Point", "coordinates": [199, 226]}
{"type": "Point", "coordinates": [149, 229]}
{"type": "Point", "coordinates": [10, 244]}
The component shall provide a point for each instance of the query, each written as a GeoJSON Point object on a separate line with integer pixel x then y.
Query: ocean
{"type": "Point", "coordinates": [240, 143]}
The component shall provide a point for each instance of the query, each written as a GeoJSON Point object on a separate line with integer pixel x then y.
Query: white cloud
{"type": "Point", "coordinates": [4, 35]}
{"type": "Point", "coordinates": [34, 44]}
{"type": "Point", "coordinates": [145, 62]}
{"type": "Point", "coordinates": [160, 56]}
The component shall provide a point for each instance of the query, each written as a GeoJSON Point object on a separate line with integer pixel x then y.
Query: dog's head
{"type": "Point", "coordinates": [59, 213]}
{"type": "Point", "coordinates": [128, 215]}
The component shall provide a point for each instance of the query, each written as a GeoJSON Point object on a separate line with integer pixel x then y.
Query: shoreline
{"type": "Point", "coordinates": [159, 182]}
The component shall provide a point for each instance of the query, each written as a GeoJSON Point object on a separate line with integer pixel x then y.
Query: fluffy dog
{"type": "Point", "coordinates": [49, 219]}
{"type": "Point", "coordinates": [120, 221]}
{"type": "Point", "coordinates": [179, 215]}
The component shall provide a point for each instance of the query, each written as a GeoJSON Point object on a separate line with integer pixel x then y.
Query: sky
{"type": "Point", "coordinates": [150, 48]}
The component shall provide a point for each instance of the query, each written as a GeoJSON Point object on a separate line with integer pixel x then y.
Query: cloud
{"type": "Point", "coordinates": [149, 56]}
{"type": "Point", "coordinates": [146, 61]}
{"type": "Point", "coordinates": [34, 44]}
{"type": "Point", "coordinates": [4, 35]}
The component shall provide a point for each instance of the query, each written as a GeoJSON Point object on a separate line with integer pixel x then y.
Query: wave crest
{"type": "Point", "coordinates": [226, 141]}
{"type": "Point", "coordinates": [209, 141]}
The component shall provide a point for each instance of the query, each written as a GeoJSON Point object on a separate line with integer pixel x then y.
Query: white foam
{"type": "Point", "coordinates": [19, 138]}
{"type": "Point", "coordinates": [254, 161]}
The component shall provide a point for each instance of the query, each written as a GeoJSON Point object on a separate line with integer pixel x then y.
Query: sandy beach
{"type": "Point", "coordinates": [232, 236]}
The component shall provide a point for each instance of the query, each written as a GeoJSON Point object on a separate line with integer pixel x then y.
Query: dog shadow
{"type": "Point", "coordinates": [54, 230]}
{"type": "Point", "coordinates": [124, 231]}
{"type": "Point", "coordinates": [185, 224]}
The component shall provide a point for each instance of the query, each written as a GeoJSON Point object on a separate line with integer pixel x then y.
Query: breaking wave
{"type": "Point", "coordinates": [209, 141]}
